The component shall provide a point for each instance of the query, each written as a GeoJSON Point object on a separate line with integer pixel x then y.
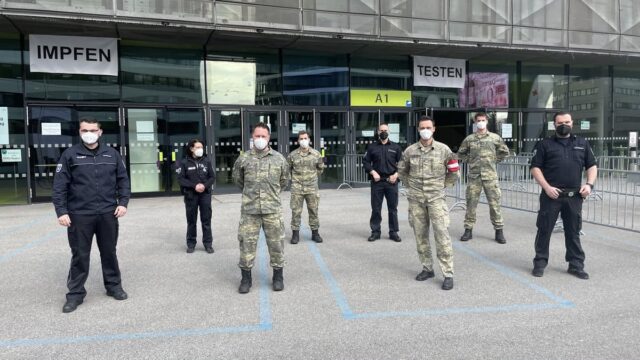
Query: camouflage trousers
{"type": "Point", "coordinates": [492, 191]}
{"type": "Point", "coordinates": [249, 232]}
{"type": "Point", "coordinates": [421, 216]}
{"type": "Point", "coordinates": [297, 204]}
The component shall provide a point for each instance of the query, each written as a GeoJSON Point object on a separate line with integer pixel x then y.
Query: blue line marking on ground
{"type": "Point", "coordinates": [10, 230]}
{"type": "Point", "coordinates": [32, 244]}
{"type": "Point", "coordinates": [347, 313]}
{"type": "Point", "coordinates": [264, 325]}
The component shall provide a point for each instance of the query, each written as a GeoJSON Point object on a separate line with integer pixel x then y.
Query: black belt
{"type": "Point", "coordinates": [569, 192]}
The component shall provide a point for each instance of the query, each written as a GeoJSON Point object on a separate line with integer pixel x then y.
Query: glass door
{"type": "Point", "coordinates": [452, 126]}
{"type": "Point", "coordinates": [365, 126]}
{"type": "Point", "coordinates": [398, 127]}
{"type": "Point", "coordinates": [333, 144]}
{"type": "Point", "coordinates": [227, 140]}
{"type": "Point", "coordinates": [157, 139]}
{"type": "Point", "coordinates": [298, 121]}
{"type": "Point", "coordinates": [52, 130]}
{"type": "Point", "coordinates": [14, 162]}
{"type": "Point", "coordinates": [271, 118]}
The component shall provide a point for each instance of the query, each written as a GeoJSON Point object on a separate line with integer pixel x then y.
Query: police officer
{"type": "Point", "coordinates": [557, 166]}
{"type": "Point", "coordinates": [91, 191]}
{"type": "Point", "coordinates": [381, 163]}
{"type": "Point", "coordinates": [426, 168]}
{"type": "Point", "coordinates": [196, 176]}
{"type": "Point", "coordinates": [261, 174]}
{"type": "Point", "coordinates": [482, 150]}
{"type": "Point", "coordinates": [306, 165]}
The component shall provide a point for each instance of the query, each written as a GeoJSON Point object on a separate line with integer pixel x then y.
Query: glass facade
{"type": "Point", "coordinates": [318, 80]}
{"type": "Point", "coordinates": [161, 75]}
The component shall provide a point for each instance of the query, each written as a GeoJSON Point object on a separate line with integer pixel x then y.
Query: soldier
{"type": "Point", "coordinates": [482, 151]}
{"type": "Point", "coordinates": [261, 174]}
{"type": "Point", "coordinates": [426, 168]}
{"type": "Point", "coordinates": [306, 165]}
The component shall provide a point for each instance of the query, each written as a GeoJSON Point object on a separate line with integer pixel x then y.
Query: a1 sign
{"type": "Point", "coordinates": [396, 98]}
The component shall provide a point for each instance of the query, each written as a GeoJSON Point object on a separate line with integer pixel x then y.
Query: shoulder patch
{"type": "Point", "coordinates": [178, 170]}
{"type": "Point", "coordinates": [535, 151]}
{"type": "Point", "coordinates": [59, 168]}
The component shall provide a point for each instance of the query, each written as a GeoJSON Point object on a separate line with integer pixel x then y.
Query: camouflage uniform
{"type": "Point", "coordinates": [306, 167]}
{"type": "Point", "coordinates": [261, 176]}
{"type": "Point", "coordinates": [423, 170]}
{"type": "Point", "coordinates": [482, 152]}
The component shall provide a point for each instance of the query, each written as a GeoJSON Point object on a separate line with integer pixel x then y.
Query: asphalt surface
{"type": "Point", "coordinates": [343, 299]}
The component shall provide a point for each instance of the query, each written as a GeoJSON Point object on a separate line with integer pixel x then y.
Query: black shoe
{"type": "Point", "coordinates": [424, 275]}
{"type": "Point", "coordinates": [245, 283]}
{"type": "Point", "coordinates": [315, 236]}
{"type": "Point", "coordinates": [117, 294]}
{"type": "Point", "coordinates": [447, 284]}
{"type": "Point", "coordinates": [537, 272]}
{"type": "Point", "coordinates": [395, 237]}
{"type": "Point", "coordinates": [295, 236]}
{"type": "Point", "coordinates": [190, 249]}
{"type": "Point", "coordinates": [209, 249]}
{"type": "Point", "coordinates": [71, 305]}
{"type": "Point", "coordinates": [579, 273]}
{"type": "Point", "coordinates": [278, 281]}
{"type": "Point", "coordinates": [374, 237]}
{"type": "Point", "coordinates": [467, 235]}
{"type": "Point", "coordinates": [500, 237]}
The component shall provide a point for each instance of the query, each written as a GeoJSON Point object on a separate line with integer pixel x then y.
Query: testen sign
{"type": "Point", "coordinates": [438, 72]}
{"type": "Point", "coordinates": [73, 55]}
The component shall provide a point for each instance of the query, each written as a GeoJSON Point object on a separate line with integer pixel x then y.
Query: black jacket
{"type": "Point", "coordinates": [88, 183]}
{"type": "Point", "coordinates": [191, 172]}
{"type": "Point", "coordinates": [383, 158]}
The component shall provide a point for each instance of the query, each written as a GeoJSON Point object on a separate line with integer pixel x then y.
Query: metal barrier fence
{"type": "Point", "coordinates": [615, 201]}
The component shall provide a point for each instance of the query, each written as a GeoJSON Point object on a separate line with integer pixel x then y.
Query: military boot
{"type": "Point", "coordinates": [467, 235]}
{"type": "Point", "coordinates": [295, 237]}
{"type": "Point", "coordinates": [245, 283]}
{"type": "Point", "coordinates": [500, 237]}
{"type": "Point", "coordinates": [315, 236]}
{"type": "Point", "coordinates": [278, 281]}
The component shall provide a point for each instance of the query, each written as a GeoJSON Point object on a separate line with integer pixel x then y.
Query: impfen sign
{"type": "Point", "coordinates": [73, 55]}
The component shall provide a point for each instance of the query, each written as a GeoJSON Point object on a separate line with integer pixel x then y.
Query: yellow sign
{"type": "Point", "coordinates": [381, 98]}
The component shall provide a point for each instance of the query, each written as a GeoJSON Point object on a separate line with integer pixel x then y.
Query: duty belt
{"type": "Point", "coordinates": [569, 192]}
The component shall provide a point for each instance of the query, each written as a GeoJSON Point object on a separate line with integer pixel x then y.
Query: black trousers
{"type": "Point", "coordinates": [194, 201]}
{"type": "Point", "coordinates": [570, 209]}
{"type": "Point", "coordinates": [379, 191]}
{"type": "Point", "coordinates": [81, 231]}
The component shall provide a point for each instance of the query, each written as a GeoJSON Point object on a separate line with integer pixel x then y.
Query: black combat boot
{"type": "Point", "coordinates": [467, 235]}
{"type": "Point", "coordinates": [295, 237]}
{"type": "Point", "coordinates": [500, 237]}
{"type": "Point", "coordinates": [315, 236]}
{"type": "Point", "coordinates": [245, 283]}
{"type": "Point", "coordinates": [278, 281]}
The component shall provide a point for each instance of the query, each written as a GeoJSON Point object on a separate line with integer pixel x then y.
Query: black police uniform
{"type": "Point", "coordinates": [191, 172]}
{"type": "Point", "coordinates": [383, 158]}
{"type": "Point", "coordinates": [561, 161]}
{"type": "Point", "coordinates": [88, 186]}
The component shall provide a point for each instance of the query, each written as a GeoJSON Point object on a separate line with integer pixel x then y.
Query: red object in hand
{"type": "Point", "coordinates": [453, 166]}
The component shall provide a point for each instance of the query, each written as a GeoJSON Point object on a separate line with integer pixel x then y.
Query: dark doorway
{"type": "Point", "coordinates": [451, 127]}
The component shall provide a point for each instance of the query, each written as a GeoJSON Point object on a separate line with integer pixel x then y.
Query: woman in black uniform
{"type": "Point", "coordinates": [196, 176]}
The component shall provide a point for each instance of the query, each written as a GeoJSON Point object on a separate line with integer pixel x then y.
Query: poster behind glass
{"type": "Point", "coordinates": [484, 89]}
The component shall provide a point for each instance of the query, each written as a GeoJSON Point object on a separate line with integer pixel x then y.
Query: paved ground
{"type": "Point", "coordinates": [343, 299]}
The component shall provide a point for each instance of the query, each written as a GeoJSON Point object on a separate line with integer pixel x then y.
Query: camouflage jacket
{"type": "Point", "coordinates": [481, 152]}
{"type": "Point", "coordinates": [306, 167]}
{"type": "Point", "coordinates": [423, 170]}
{"type": "Point", "coordinates": [261, 176]}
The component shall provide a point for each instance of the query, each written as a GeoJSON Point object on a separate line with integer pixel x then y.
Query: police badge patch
{"type": "Point", "coordinates": [178, 170]}
{"type": "Point", "coordinates": [59, 168]}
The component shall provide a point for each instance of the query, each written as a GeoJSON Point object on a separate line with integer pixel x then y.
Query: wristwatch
{"type": "Point", "coordinates": [591, 185]}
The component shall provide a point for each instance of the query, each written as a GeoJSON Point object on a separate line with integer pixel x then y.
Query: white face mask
{"type": "Point", "coordinates": [89, 138]}
{"type": "Point", "coordinates": [481, 125]}
{"type": "Point", "coordinates": [260, 143]}
{"type": "Point", "coordinates": [198, 152]}
{"type": "Point", "coordinates": [304, 143]}
{"type": "Point", "coordinates": [426, 134]}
